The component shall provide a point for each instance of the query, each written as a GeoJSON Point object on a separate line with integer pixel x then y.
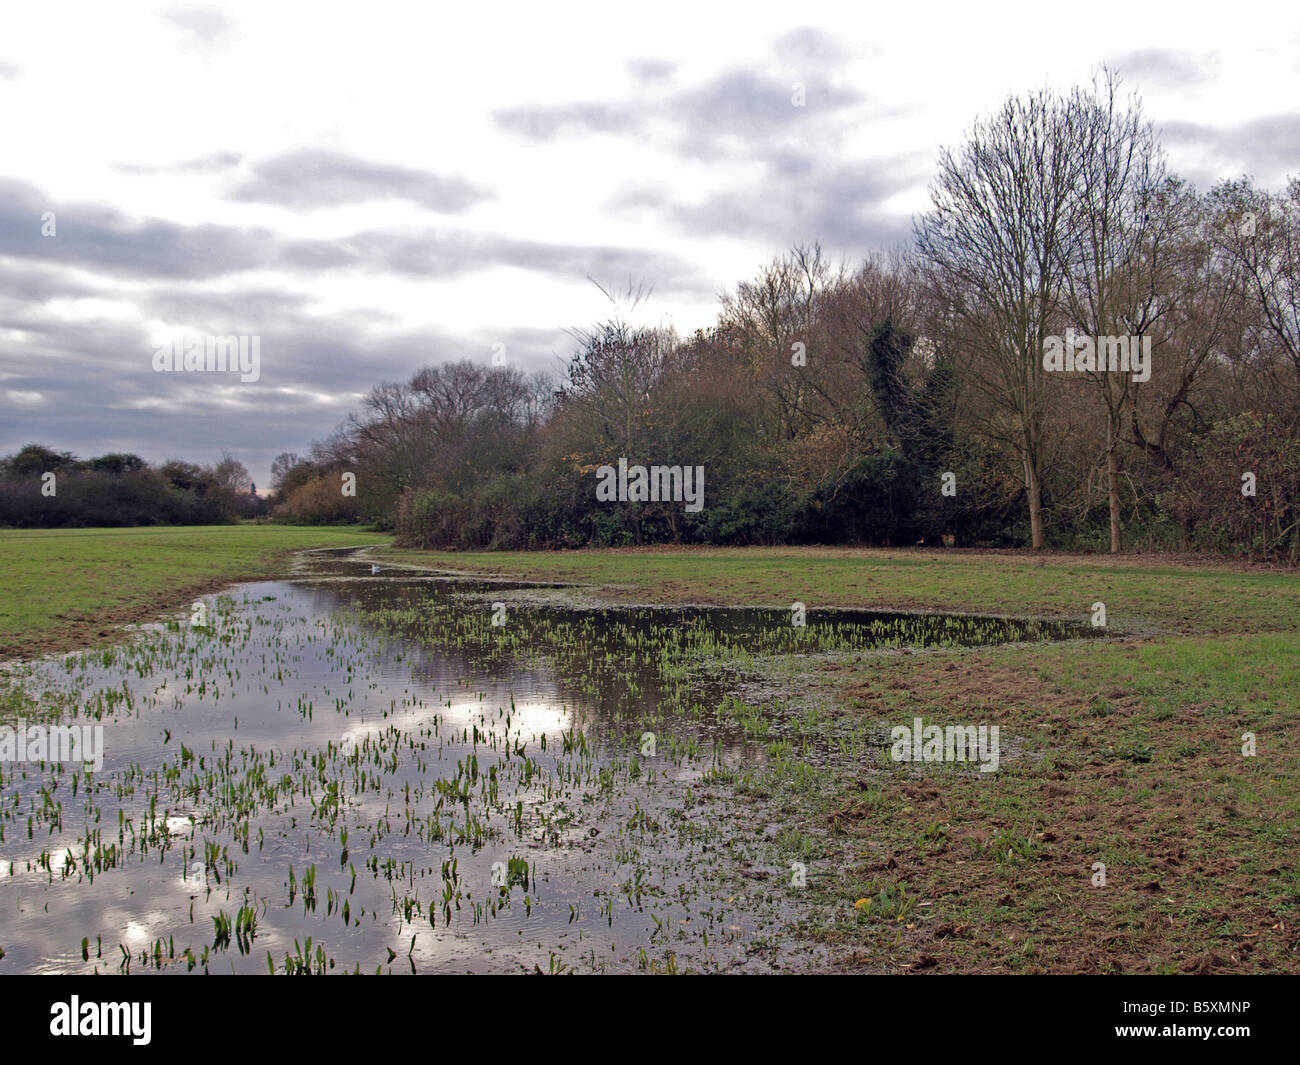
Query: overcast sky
{"type": "Point", "coordinates": [370, 188]}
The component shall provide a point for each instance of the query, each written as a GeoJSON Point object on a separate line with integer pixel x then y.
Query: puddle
{"type": "Point", "coordinates": [409, 771]}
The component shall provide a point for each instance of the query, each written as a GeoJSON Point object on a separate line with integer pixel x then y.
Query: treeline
{"type": "Point", "coordinates": [906, 398]}
{"type": "Point", "coordinates": [42, 488]}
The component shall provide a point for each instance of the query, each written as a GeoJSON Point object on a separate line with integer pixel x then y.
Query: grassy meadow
{"type": "Point", "coordinates": [67, 588]}
{"type": "Point", "coordinates": [1125, 831]}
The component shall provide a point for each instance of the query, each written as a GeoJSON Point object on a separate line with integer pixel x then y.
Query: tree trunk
{"type": "Point", "coordinates": [1112, 485]}
{"type": "Point", "coordinates": [1034, 489]}
{"type": "Point", "coordinates": [1112, 490]}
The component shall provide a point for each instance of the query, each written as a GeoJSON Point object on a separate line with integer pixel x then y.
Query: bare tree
{"type": "Point", "coordinates": [388, 434]}
{"type": "Point", "coordinates": [770, 314]}
{"type": "Point", "coordinates": [1114, 255]}
{"type": "Point", "coordinates": [994, 241]}
{"type": "Point", "coordinates": [280, 467]}
{"type": "Point", "coordinates": [232, 474]}
{"type": "Point", "coordinates": [1204, 292]}
{"type": "Point", "coordinates": [1260, 231]}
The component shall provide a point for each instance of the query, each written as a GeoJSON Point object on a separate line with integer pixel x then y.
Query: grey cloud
{"type": "Point", "coordinates": [451, 253]}
{"type": "Point", "coordinates": [651, 70]}
{"type": "Point", "coordinates": [1166, 67]}
{"type": "Point", "coordinates": [39, 284]}
{"type": "Point", "coordinates": [810, 44]}
{"type": "Point", "coordinates": [744, 100]}
{"type": "Point", "coordinates": [740, 104]}
{"type": "Point", "coordinates": [791, 163]}
{"type": "Point", "coordinates": [802, 197]}
{"type": "Point", "coordinates": [214, 161]}
{"type": "Point", "coordinates": [203, 29]}
{"type": "Point", "coordinates": [78, 367]}
{"type": "Point", "coordinates": [528, 348]}
{"type": "Point", "coordinates": [202, 164]}
{"type": "Point", "coordinates": [222, 311]}
{"type": "Point", "coordinates": [1264, 147]}
{"type": "Point", "coordinates": [100, 238]}
{"type": "Point", "coordinates": [311, 178]}
{"type": "Point", "coordinates": [548, 122]}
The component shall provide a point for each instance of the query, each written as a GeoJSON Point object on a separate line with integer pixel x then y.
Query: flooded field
{"type": "Point", "coordinates": [403, 771]}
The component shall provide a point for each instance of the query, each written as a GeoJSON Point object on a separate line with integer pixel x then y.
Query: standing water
{"type": "Point", "coordinates": [399, 771]}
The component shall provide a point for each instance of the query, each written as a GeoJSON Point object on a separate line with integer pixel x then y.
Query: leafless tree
{"type": "Point", "coordinates": [994, 241]}
{"type": "Point", "coordinates": [1114, 255]}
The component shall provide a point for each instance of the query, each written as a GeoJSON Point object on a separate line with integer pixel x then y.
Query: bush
{"type": "Point", "coordinates": [319, 501]}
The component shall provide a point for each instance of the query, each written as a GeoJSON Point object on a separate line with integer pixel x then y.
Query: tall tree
{"type": "Point", "coordinates": [1113, 254]}
{"type": "Point", "coordinates": [994, 240]}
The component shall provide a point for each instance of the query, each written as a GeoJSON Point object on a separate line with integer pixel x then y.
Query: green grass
{"type": "Point", "coordinates": [1137, 591]}
{"type": "Point", "coordinates": [1127, 753]}
{"type": "Point", "coordinates": [1192, 833]}
{"type": "Point", "coordinates": [63, 588]}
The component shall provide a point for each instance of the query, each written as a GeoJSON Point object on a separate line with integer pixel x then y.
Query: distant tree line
{"type": "Point", "coordinates": [904, 399]}
{"type": "Point", "coordinates": [42, 488]}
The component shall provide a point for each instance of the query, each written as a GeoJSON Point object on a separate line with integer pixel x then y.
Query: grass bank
{"type": "Point", "coordinates": [67, 588]}
{"type": "Point", "coordinates": [1171, 594]}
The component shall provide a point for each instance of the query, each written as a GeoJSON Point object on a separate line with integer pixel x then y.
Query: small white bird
{"type": "Point", "coordinates": [373, 569]}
